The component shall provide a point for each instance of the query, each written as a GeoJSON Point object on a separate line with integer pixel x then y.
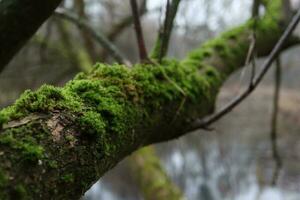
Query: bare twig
{"type": "Point", "coordinates": [125, 22]}
{"type": "Point", "coordinates": [87, 40]}
{"type": "Point", "coordinates": [138, 30]}
{"type": "Point", "coordinates": [252, 49]}
{"type": "Point", "coordinates": [164, 34]}
{"type": "Point", "coordinates": [99, 37]}
{"type": "Point", "coordinates": [43, 46]}
{"type": "Point", "coordinates": [273, 134]}
{"type": "Point", "coordinates": [266, 65]}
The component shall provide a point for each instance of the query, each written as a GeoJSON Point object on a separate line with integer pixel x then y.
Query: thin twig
{"type": "Point", "coordinates": [274, 127]}
{"type": "Point", "coordinates": [125, 22]}
{"type": "Point", "coordinates": [43, 44]}
{"type": "Point", "coordinates": [99, 37]}
{"type": "Point", "coordinates": [266, 65]}
{"type": "Point", "coordinates": [87, 40]}
{"type": "Point", "coordinates": [164, 33]}
{"type": "Point", "coordinates": [252, 48]}
{"type": "Point", "coordinates": [138, 30]}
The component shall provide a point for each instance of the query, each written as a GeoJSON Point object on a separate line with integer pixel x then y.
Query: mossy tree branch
{"type": "Point", "coordinates": [56, 142]}
{"type": "Point", "coordinates": [19, 20]}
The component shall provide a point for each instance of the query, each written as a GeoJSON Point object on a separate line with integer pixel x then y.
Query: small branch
{"type": "Point", "coordinates": [273, 134]}
{"type": "Point", "coordinates": [99, 37]}
{"type": "Point", "coordinates": [138, 30]}
{"type": "Point", "coordinates": [125, 22]}
{"type": "Point", "coordinates": [43, 46]}
{"type": "Point", "coordinates": [203, 124]}
{"type": "Point", "coordinates": [287, 9]}
{"type": "Point", "coordinates": [255, 8]}
{"type": "Point", "coordinates": [163, 39]}
{"type": "Point", "coordinates": [252, 49]}
{"type": "Point", "coordinates": [164, 33]}
{"type": "Point", "coordinates": [88, 42]}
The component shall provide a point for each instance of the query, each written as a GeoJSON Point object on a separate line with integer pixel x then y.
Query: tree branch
{"type": "Point", "coordinates": [125, 22]}
{"type": "Point", "coordinates": [99, 37]}
{"type": "Point", "coordinates": [266, 66]}
{"type": "Point", "coordinates": [138, 31]}
{"type": "Point", "coordinates": [19, 20]}
{"type": "Point", "coordinates": [161, 46]}
{"type": "Point", "coordinates": [58, 141]}
{"type": "Point", "coordinates": [88, 42]}
{"type": "Point", "coordinates": [273, 133]}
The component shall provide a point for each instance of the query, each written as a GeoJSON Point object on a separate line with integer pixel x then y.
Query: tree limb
{"type": "Point", "coordinates": [161, 46]}
{"type": "Point", "coordinates": [254, 83]}
{"type": "Point", "coordinates": [99, 37]}
{"type": "Point", "coordinates": [19, 20]}
{"type": "Point", "coordinates": [138, 31]}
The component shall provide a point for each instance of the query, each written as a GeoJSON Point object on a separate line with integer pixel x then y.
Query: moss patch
{"type": "Point", "coordinates": [28, 147]}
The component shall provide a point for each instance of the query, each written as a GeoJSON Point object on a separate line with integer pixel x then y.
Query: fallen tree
{"type": "Point", "coordinates": [56, 142]}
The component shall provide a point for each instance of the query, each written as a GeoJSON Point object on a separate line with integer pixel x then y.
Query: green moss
{"type": "Point", "coordinates": [68, 178]}
{"type": "Point", "coordinates": [20, 192]}
{"type": "Point", "coordinates": [52, 164]}
{"type": "Point", "coordinates": [92, 123]}
{"type": "Point", "coordinates": [112, 98]}
{"type": "Point", "coordinates": [70, 138]}
{"type": "Point", "coordinates": [45, 99]}
{"type": "Point", "coordinates": [28, 147]}
{"type": "Point", "coordinates": [3, 179]}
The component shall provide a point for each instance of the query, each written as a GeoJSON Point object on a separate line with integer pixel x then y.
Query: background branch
{"type": "Point", "coordinates": [99, 37]}
{"type": "Point", "coordinates": [266, 65]}
{"type": "Point", "coordinates": [138, 31]}
{"type": "Point", "coordinates": [274, 123]}
{"type": "Point", "coordinates": [161, 46]}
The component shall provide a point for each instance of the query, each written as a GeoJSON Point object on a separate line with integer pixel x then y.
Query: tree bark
{"type": "Point", "coordinates": [56, 142]}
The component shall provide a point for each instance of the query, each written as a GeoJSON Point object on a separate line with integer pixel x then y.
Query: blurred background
{"type": "Point", "coordinates": [234, 161]}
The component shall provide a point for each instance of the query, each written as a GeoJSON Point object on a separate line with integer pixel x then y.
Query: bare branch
{"type": "Point", "coordinates": [138, 30]}
{"type": "Point", "coordinates": [88, 42]}
{"type": "Point", "coordinates": [163, 39]}
{"type": "Point", "coordinates": [267, 64]}
{"type": "Point", "coordinates": [251, 53]}
{"type": "Point", "coordinates": [273, 134]}
{"type": "Point", "coordinates": [99, 37]}
{"type": "Point", "coordinates": [125, 22]}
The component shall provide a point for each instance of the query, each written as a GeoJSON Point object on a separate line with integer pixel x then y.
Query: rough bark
{"type": "Point", "coordinates": [19, 20]}
{"type": "Point", "coordinates": [56, 142]}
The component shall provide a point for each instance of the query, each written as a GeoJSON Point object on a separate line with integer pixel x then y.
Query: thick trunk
{"type": "Point", "coordinates": [56, 142]}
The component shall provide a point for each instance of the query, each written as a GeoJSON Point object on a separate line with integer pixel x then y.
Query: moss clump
{"type": "Point", "coordinates": [112, 98]}
{"type": "Point", "coordinates": [92, 124]}
{"type": "Point", "coordinates": [47, 98]}
{"type": "Point", "coordinates": [3, 179]}
{"type": "Point", "coordinates": [68, 178]}
{"type": "Point", "coordinates": [52, 164]}
{"type": "Point", "coordinates": [20, 192]}
{"type": "Point", "coordinates": [28, 147]}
